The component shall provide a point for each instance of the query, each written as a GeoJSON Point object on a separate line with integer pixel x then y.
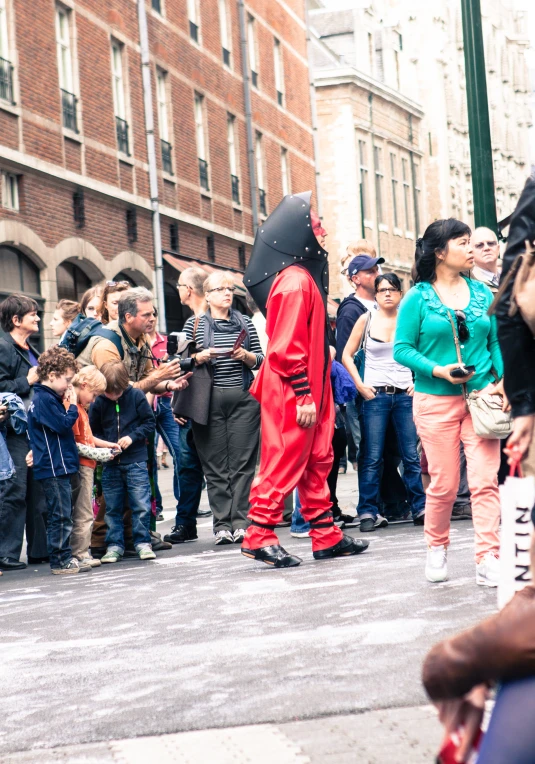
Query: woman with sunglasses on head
{"type": "Point", "coordinates": [111, 294]}
{"type": "Point", "coordinates": [228, 444]}
{"type": "Point", "coordinates": [443, 301]}
{"type": "Point", "coordinates": [386, 394]}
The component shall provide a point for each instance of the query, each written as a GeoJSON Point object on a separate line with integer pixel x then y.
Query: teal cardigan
{"type": "Point", "coordinates": [424, 339]}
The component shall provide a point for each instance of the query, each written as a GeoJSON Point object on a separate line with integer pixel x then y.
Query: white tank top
{"type": "Point", "coordinates": [380, 369]}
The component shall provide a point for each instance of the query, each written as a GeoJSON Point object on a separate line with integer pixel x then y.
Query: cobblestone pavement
{"type": "Point", "coordinates": [203, 656]}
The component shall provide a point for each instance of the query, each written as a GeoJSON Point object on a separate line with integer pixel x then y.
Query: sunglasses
{"type": "Point", "coordinates": [482, 244]}
{"type": "Point", "coordinates": [118, 283]}
{"type": "Point", "coordinates": [462, 328]}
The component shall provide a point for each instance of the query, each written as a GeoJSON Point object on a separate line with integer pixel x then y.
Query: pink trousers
{"type": "Point", "coordinates": [443, 423]}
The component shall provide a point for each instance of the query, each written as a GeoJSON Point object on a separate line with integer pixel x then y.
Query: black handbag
{"type": "Point", "coordinates": [194, 401]}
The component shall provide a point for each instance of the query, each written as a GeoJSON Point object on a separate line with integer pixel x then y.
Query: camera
{"type": "Point", "coordinates": [186, 364]}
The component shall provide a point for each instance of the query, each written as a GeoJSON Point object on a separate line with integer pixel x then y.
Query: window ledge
{"type": "Point", "coordinates": [398, 232]}
{"type": "Point", "coordinates": [10, 107]}
{"type": "Point", "coordinates": [368, 223]}
{"type": "Point", "coordinates": [124, 158]}
{"type": "Point", "coordinates": [383, 227]}
{"type": "Point", "coordinates": [71, 135]}
{"type": "Point", "coordinates": [237, 207]}
{"type": "Point", "coordinates": [168, 177]}
{"type": "Point", "coordinates": [205, 193]}
{"type": "Point", "coordinates": [409, 235]}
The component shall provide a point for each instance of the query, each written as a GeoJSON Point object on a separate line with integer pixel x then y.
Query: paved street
{"type": "Point", "coordinates": [324, 660]}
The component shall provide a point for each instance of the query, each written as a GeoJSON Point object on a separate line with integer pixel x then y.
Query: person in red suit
{"type": "Point", "coordinates": [287, 277]}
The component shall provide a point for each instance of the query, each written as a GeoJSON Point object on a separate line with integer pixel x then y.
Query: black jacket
{"type": "Point", "coordinates": [134, 418]}
{"type": "Point", "coordinates": [347, 315]}
{"type": "Point", "coordinates": [14, 368]}
{"type": "Point", "coordinates": [516, 340]}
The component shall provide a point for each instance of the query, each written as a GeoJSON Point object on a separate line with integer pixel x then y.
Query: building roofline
{"type": "Point", "coordinates": [348, 75]}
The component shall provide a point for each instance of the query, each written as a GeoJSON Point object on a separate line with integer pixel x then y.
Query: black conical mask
{"type": "Point", "coordinates": [286, 238]}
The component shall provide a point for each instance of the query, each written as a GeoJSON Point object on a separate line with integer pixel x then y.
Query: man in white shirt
{"type": "Point", "coordinates": [486, 253]}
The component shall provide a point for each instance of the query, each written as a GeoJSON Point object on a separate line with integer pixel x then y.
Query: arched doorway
{"type": "Point", "coordinates": [19, 274]}
{"type": "Point", "coordinates": [123, 276]}
{"type": "Point", "coordinates": [72, 281]}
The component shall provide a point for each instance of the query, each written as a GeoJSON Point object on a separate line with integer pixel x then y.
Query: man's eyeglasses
{"type": "Point", "coordinates": [483, 244]}
{"type": "Point", "coordinates": [118, 283]}
{"type": "Point", "coordinates": [223, 289]}
{"type": "Point", "coordinates": [462, 328]}
{"type": "Point", "coordinates": [387, 289]}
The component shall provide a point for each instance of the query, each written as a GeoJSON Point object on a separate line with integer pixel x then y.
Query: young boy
{"type": "Point", "coordinates": [51, 416]}
{"type": "Point", "coordinates": [88, 383]}
{"type": "Point", "coordinates": [123, 414]}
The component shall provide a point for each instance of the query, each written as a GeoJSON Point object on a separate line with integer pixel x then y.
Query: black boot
{"type": "Point", "coordinates": [348, 545]}
{"type": "Point", "coordinates": [274, 555]}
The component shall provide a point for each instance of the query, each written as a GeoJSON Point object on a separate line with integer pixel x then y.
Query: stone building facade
{"type": "Point", "coordinates": [75, 206]}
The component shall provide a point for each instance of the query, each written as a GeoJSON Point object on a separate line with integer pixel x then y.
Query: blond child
{"type": "Point", "coordinates": [88, 383]}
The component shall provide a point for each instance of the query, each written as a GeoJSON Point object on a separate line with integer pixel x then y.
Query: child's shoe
{"type": "Point", "coordinates": [145, 552]}
{"type": "Point", "coordinates": [69, 569]}
{"type": "Point", "coordinates": [112, 555]}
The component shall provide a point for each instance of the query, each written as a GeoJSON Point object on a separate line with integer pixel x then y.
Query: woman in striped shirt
{"type": "Point", "coordinates": [228, 444]}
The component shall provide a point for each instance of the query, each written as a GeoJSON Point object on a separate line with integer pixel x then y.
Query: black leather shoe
{"type": "Point", "coordinates": [37, 560]}
{"type": "Point", "coordinates": [348, 545]}
{"type": "Point", "coordinates": [274, 555]}
{"type": "Point", "coordinates": [419, 519]}
{"type": "Point", "coordinates": [8, 563]}
{"type": "Point", "coordinates": [367, 525]}
{"type": "Point", "coordinates": [181, 535]}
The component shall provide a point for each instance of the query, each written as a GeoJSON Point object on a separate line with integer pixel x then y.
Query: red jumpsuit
{"type": "Point", "coordinates": [294, 371]}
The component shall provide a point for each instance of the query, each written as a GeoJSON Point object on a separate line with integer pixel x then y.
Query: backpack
{"type": "Point", "coordinates": [76, 337]}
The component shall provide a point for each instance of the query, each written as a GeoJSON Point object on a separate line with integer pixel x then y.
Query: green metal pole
{"type": "Point", "coordinates": [478, 117]}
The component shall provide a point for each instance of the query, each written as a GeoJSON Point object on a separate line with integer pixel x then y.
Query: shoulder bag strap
{"type": "Point", "coordinates": [364, 338]}
{"type": "Point", "coordinates": [195, 327]}
{"type": "Point", "coordinates": [455, 339]}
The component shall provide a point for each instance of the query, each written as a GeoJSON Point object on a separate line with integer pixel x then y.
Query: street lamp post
{"type": "Point", "coordinates": [478, 117]}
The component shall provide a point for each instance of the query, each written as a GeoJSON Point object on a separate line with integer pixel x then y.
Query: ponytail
{"type": "Point", "coordinates": [436, 239]}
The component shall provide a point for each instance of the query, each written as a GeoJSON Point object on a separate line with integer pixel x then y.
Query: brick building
{"type": "Point", "coordinates": [75, 205]}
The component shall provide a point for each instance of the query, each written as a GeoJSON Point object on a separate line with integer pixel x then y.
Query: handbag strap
{"type": "Point", "coordinates": [364, 338]}
{"type": "Point", "coordinates": [455, 339]}
{"type": "Point", "coordinates": [195, 327]}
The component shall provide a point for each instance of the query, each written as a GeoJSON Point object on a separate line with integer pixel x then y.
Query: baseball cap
{"type": "Point", "coordinates": [363, 263]}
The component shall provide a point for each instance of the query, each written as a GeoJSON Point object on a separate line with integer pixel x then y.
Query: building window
{"type": "Point", "coordinates": [241, 257]}
{"type": "Point", "coordinates": [233, 161]}
{"type": "Point", "coordinates": [251, 44]}
{"type": "Point", "coordinates": [119, 100]}
{"type": "Point", "coordinates": [6, 68]}
{"type": "Point", "coordinates": [394, 178]}
{"type": "Point", "coordinates": [173, 237]}
{"type": "Point", "coordinates": [163, 121]}
{"type": "Point", "coordinates": [371, 52]}
{"type": "Point", "coordinates": [379, 179]}
{"type": "Point", "coordinates": [157, 6]}
{"type": "Point", "coordinates": [10, 191]}
{"type": "Point", "coordinates": [379, 56]}
{"type": "Point", "coordinates": [19, 274]}
{"type": "Point", "coordinates": [225, 34]}
{"type": "Point", "coordinates": [259, 160]}
{"type": "Point", "coordinates": [279, 72]}
{"type": "Point", "coordinates": [201, 142]}
{"type": "Point", "coordinates": [72, 282]}
{"type": "Point", "coordinates": [364, 200]}
{"type": "Point", "coordinates": [131, 225]}
{"type": "Point", "coordinates": [285, 173]}
{"type": "Point", "coordinates": [210, 247]}
{"type": "Point", "coordinates": [78, 208]}
{"type": "Point", "coordinates": [406, 193]}
{"type": "Point", "coordinates": [69, 102]}
{"type": "Point", "coordinates": [417, 190]}
{"type": "Point", "coordinates": [193, 18]}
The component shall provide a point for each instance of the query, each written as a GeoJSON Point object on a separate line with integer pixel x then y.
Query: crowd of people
{"type": "Point", "coordinates": [84, 485]}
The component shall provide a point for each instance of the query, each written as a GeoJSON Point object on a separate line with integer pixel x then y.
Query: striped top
{"type": "Point", "coordinates": [227, 372]}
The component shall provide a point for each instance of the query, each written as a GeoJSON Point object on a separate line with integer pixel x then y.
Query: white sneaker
{"type": "Point", "coordinates": [436, 567]}
{"type": "Point", "coordinates": [300, 534]}
{"type": "Point", "coordinates": [380, 521]}
{"type": "Point", "coordinates": [239, 535]}
{"type": "Point", "coordinates": [224, 537]}
{"type": "Point", "coordinates": [488, 570]}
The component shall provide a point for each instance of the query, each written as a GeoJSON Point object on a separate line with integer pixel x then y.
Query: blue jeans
{"type": "Point", "coordinates": [191, 478]}
{"type": "Point", "coordinates": [511, 734]}
{"type": "Point", "coordinates": [58, 497]}
{"type": "Point", "coordinates": [299, 525]}
{"type": "Point", "coordinates": [352, 422]}
{"type": "Point", "coordinates": [376, 415]}
{"type": "Point", "coordinates": [169, 430]}
{"type": "Point", "coordinates": [119, 481]}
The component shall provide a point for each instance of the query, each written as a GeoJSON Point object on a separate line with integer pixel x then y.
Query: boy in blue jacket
{"type": "Point", "coordinates": [51, 416]}
{"type": "Point", "coordinates": [122, 415]}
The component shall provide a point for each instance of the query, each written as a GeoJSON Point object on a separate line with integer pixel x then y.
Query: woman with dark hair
{"type": "Point", "coordinates": [90, 302]}
{"type": "Point", "coordinates": [111, 294]}
{"type": "Point", "coordinates": [386, 392]}
{"type": "Point", "coordinates": [444, 307]}
{"type": "Point", "coordinates": [19, 503]}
